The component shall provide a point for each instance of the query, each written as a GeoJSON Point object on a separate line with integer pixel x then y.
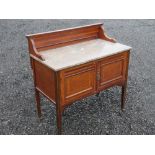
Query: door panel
{"type": "Point", "coordinates": [79, 82]}
{"type": "Point", "coordinates": [111, 72]}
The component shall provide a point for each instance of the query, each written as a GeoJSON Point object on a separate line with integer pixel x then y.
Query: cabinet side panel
{"type": "Point", "coordinates": [45, 79]}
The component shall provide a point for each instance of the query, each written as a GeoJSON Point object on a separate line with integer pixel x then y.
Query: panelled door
{"type": "Point", "coordinates": [78, 82]}
{"type": "Point", "coordinates": [111, 71]}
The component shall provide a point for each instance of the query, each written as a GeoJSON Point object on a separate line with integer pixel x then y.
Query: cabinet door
{"type": "Point", "coordinates": [111, 71]}
{"type": "Point", "coordinates": [78, 82]}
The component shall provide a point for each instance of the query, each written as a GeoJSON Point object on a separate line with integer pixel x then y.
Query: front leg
{"type": "Point", "coordinates": [59, 119]}
{"type": "Point", "coordinates": [124, 86]}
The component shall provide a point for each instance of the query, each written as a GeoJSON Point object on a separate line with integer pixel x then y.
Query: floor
{"type": "Point", "coordinates": [93, 115]}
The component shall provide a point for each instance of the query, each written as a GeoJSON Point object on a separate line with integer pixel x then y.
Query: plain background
{"type": "Point", "coordinates": [129, 9]}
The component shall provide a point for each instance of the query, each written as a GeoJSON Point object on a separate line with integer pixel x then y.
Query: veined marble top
{"type": "Point", "coordinates": [76, 54]}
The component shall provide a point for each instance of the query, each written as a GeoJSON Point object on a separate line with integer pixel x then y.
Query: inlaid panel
{"type": "Point", "coordinates": [112, 71]}
{"type": "Point", "coordinates": [79, 82]}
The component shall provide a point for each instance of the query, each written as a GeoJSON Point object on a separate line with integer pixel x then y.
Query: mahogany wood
{"type": "Point", "coordinates": [45, 77]}
{"type": "Point", "coordinates": [74, 83]}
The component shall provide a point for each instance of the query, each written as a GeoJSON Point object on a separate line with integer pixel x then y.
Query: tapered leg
{"type": "Point", "coordinates": [59, 119]}
{"type": "Point", "coordinates": [123, 97]}
{"type": "Point", "coordinates": [59, 108]}
{"type": "Point", "coordinates": [38, 102]}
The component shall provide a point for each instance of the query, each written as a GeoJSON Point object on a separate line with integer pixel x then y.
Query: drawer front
{"type": "Point", "coordinates": [111, 71]}
{"type": "Point", "coordinates": [78, 82]}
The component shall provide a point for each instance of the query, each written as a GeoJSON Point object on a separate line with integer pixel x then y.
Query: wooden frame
{"type": "Point", "coordinates": [65, 86]}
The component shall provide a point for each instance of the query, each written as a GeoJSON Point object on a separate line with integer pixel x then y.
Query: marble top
{"type": "Point", "coordinates": [76, 54]}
